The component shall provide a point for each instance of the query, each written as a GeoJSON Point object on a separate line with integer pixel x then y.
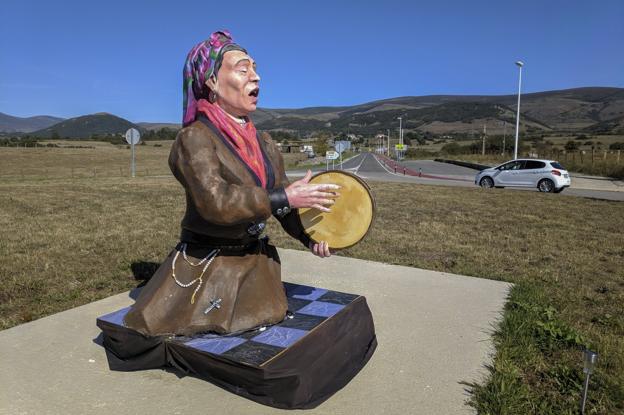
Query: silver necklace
{"type": "Point", "coordinates": [207, 259]}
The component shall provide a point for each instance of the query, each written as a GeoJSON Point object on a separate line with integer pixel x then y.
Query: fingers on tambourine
{"type": "Point", "coordinates": [325, 195]}
{"type": "Point", "coordinates": [326, 187]}
{"type": "Point", "coordinates": [320, 207]}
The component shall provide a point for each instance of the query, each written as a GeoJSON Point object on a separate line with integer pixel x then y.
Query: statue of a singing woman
{"type": "Point", "coordinates": [224, 276]}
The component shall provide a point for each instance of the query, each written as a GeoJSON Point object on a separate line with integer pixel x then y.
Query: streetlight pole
{"type": "Point", "coordinates": [388, 149]}
{"type": "Point", "coordinates": [520, 64]}
{"type": "Point", "coordinates": [400, 135]}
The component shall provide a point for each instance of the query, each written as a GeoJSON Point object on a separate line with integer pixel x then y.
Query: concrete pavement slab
{"type": "Point", "coordinates": [433, 330]}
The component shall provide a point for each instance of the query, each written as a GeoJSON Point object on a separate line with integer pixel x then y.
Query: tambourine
{"type": "Point", "coordinates": [351, 216]}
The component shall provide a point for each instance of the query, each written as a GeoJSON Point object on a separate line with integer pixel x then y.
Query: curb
{"type": "Point", "coordinates": [398, 167]}
{"type": "Point", "coordinates": [464, 164]}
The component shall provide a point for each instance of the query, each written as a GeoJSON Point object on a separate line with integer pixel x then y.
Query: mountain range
{"type": "Point", "coordinates": [590, 109]}
{"type": "Point", "coordinates": [11, 124]}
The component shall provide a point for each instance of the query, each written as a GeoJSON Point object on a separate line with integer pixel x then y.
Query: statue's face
{"type": "Point", "coordinates": [237, 84]}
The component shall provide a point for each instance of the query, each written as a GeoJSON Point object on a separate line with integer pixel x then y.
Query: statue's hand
{"type": "Point", "coordinates": [320, 249]}
{"type": "Point", "coordinates": [301, 194]}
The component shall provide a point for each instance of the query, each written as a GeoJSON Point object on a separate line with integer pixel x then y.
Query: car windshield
{"type": "Point", "coordinates": [512, 165]}
{"type": "Point", "coordinates": [556, 165]}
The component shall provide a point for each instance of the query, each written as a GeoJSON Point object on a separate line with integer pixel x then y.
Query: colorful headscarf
{"type": "Point", "coordinates": [201, 63]}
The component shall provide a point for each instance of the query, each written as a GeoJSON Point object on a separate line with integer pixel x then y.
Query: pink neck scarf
{"type": "Point", "coordinates": [243, 138]}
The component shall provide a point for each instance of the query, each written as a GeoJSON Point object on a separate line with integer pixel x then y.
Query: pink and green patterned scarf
{"type": "Point", "coordinates": [201, 63]}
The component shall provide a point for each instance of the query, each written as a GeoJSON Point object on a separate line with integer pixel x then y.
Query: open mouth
{"type": "Point", "coordinates": [254, 92]}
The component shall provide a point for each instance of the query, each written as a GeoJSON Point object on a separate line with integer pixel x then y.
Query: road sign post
{"type": "Point", "coordinates": [399, 149]}
{"type": "Point", "coordinates": [132, 137]}
{"type": "Point", "coordinates": [330, 155]}
{"type": "Point", "coordinates": [340, 147]}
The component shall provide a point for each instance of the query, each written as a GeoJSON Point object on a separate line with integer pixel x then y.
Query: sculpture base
{"type": "Point", "coordinates": [296, 364]}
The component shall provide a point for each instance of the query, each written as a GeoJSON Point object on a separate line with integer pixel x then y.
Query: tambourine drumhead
{"type": "Point", "coordinates": [350, 217]}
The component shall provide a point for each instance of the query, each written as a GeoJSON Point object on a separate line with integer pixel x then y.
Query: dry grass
{"type": "Point", "coordinates": [100, 160]}
{"type": "Point", "coordinates": [93, 159]}
{"type": "Point", "coordinates": [66, 242]}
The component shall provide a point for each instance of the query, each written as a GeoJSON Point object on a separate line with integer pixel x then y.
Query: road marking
{"type": "Point", "coordinates": [385, 168]}
{"type": "Point", "coordinates": [360, 165]}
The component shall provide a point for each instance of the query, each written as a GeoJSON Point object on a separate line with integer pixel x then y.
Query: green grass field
{"type": "Point", "coordinates": [69, 241]}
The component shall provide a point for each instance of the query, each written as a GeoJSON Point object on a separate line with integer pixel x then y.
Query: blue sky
{"type": "Point", "coordinates": [72, 58]}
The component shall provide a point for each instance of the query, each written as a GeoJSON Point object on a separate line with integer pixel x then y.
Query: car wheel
{"type": "Point", "coordinates": [486, 182]}
{"type": "Point", "coordinates": [546, 186]}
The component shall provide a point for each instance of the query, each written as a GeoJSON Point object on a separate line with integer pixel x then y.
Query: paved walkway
{"type": "Point", "coordinates": [433, 330]}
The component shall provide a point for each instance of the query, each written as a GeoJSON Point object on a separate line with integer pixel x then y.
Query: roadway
{"type": "Point", "coordinates": [372, 167]}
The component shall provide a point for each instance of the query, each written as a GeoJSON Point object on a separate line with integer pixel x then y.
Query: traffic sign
{"type": "Point", "coordinates": [133, 136]}
{"type": "Point", "coordinates": [400, 146]}
{"type": "Point", "coordinates": [331, 155]}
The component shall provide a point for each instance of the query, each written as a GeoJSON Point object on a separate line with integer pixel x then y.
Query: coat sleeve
{"type": "Point", "coordinates": [194, 162]}
{"type": "Point", "coordinates": [290, 222]}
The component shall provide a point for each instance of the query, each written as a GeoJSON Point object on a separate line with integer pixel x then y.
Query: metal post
{"type": "Point", "coordinates": [584, 396]}
{"type": "Point", "coordinates": [520, 64]}
{"type": "Point", "coordinates": [133, 169]}
{"type": "Point", "coordinates": [400, 135]}
{"type": "Point", "coordinates": [504, 136]}
{"type": "Point", "coordinates": [483, 146]}
{"type": "Point", "coordinates": [589, 361]}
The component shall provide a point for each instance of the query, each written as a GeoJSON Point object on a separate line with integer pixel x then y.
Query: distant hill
{"type": "Point", "coordinates": [565, 110]}
{"type": "Point", "coordinates": [155, 126]}
{"type": "Point", "coordinates": [86, 126]}
{"type": "Point", "coordinates": [591, 109]}
{"type": "Point", "coordinates": [11, 124]}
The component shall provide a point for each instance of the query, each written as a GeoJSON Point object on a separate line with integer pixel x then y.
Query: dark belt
{"type": "Point", "coordinates": [200, 241]}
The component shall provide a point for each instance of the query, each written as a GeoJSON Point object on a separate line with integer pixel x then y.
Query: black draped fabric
{"type": "Point", "coordinates": [326, 339]}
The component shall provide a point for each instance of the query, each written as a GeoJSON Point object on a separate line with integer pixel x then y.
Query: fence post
{"type": "Point", "coordinates": [618, 157]}
{"type": "Point", "coordinates": [592, 162]}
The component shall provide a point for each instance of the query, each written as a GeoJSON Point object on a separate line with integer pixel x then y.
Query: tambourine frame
{"type": "Point", "coordinates": [373, 207]}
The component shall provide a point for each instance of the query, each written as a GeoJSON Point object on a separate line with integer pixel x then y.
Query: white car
{"type": "Point", "coordinates": [545, 175]}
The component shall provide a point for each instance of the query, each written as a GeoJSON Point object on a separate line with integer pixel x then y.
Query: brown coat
{"type": "Point", "coordinates": [224, 204]}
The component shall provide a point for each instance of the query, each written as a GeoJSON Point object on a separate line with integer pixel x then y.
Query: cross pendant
{"type": "Point", "coordinates": [213, 304]}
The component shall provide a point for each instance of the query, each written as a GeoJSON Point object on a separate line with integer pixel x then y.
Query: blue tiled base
{"type": "Point", "coordinates": [335, 325]}
{"type": "Point", "coordinates": [309, 307]}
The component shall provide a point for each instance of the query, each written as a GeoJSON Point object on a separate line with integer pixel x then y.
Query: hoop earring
{"type": "Point", "coordinates": [212, 97]}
